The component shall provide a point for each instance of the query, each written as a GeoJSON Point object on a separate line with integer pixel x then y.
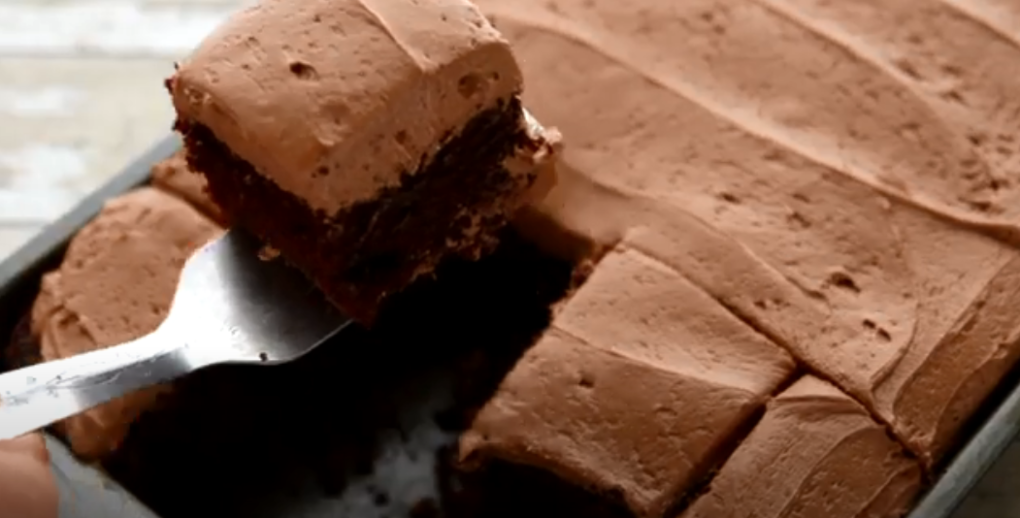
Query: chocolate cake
{"type": "Point", "coordinates": [801, 216]}
{"type": "Point", "coordinates": [115, 284]}
{"type": "Point", "coordinates": [816, 452]}
{"type": "Point", "coordinates": [364, 140]}
{"type": "Point", "coordinates": [636, 391]}
{"type": "Point", "coordinates": [856, 161]}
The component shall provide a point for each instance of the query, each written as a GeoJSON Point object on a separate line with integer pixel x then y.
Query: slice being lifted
{"type": "Point", "coordinates": [363, 139]}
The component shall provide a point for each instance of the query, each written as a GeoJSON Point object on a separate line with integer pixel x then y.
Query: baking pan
{"type": "Point", "coordinates": [403, 471]}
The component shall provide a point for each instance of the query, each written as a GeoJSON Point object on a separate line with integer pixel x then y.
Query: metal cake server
{"type": "Point", "coordinates": [230, 307]}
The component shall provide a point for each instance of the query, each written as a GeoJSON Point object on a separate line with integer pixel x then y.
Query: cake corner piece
{"type": "Point", "coordinates": [365, 140]}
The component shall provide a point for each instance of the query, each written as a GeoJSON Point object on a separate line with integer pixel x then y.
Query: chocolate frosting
{"type": "Point", "coordinates": [333, 100]}
{"type": "Point", "coordinates": [816, 452]}
{"type": "Point", "coordinates": [175, 177]}
{"type": "Point", "coordinates": [636, 390]}
{"type": "Point", "coordinates": [115, 284]}
{"type": "Point", "coordinates": [855, 163]}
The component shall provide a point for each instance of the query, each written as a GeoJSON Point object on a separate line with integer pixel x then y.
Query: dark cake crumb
{"type": "Point", "coordinates": [376, 248]}
{"type": "Point", "coordinates": [501, 490]}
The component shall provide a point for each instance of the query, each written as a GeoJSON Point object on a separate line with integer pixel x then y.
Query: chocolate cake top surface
{"type": "Point", "coordinates": [333, 100]}
{"type": "Point", "coordinates": [816, 452]}
{"type": "Point", "coordinates": [852, 170]}
{"type": "Point", "coordinates": [115, 284]}
{"type": "Point", "coordinates": [635, 392]}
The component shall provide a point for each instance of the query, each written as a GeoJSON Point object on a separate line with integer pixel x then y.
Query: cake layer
{"type": "Point", "coordinates": [858, 168]}
{"type": "Point", "coordinates": [816, 452]}
{"type": "Point", "coordinates": [115, 284]}
{"type": "Point", "coordinates": [635, 392]}
{"type": "Point", "coordinates": [336, 100]}
{"type": "Point", "coordinates": [175, 177]}
{"type": "Point", "coordinates": [378, 247]}
{"type": "Point", "coordinates": [365, 140]}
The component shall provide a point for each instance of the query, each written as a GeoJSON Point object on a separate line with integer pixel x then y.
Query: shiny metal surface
{"type": "Point", "coordinates": [230, 307]}
{"type": "Point", "coordinates": [534, 128]}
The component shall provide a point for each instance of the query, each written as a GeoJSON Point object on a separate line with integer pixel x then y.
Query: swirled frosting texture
{"type": "Point", "coordinates": [334, 100]}
{"type": "Point", "coordinates": [115, 284]}
{"type": "Point", "coordinates": [815, 453]}
{"type": "Point", "coordinates": [852, 168]}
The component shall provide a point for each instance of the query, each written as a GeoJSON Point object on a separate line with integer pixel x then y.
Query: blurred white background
{"type": "Point", "coordinates": [81, 94]}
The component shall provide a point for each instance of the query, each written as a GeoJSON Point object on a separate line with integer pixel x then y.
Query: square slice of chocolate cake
{"type": "Point", "coordinates": [364, 140]}
{"type": "Point", "coordinates": [636, 391]}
